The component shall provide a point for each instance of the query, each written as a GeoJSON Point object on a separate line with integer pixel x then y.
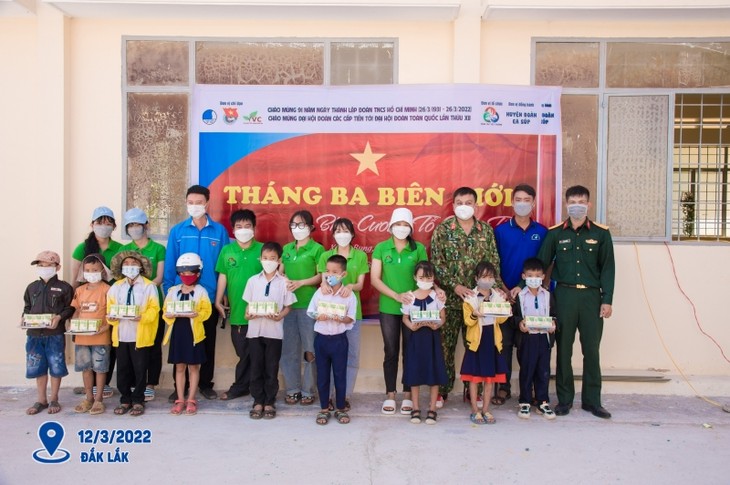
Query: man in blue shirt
{"type": "Point", "coordinates": [517, 240]}
{"type": "Point", "coordinates": [203, 236]}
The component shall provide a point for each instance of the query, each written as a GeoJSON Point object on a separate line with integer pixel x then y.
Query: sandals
{"type": "Point", "coordinates": [477, 418]}
{"type": "Point", "coordinates": [416, 416]}
{"type": "Point", "coordinates": [177, 409]}
{"type": "Point", "coordinates": [84, 406]}
{"type": "Point", "coordinates": [137, 410]}
{"type": "Point", "coordinates": [388, 406]}
{"type": "Point", "coordinates": [331, 406]}
{"type": "Point", "coordinates": [500, 399]}
{"type": "Point", "coordinates": [431, 417]}
{"type": "Point", "coordinates": [97, 408]}
{"type": "Point", "coordinates": [440, 400]}
{"type": "Point", "coordinates": [256, 412]}
{"type": "Point", "coordinates": [269, 412]}
{"type": "Point", "coordinates": [489, 418]}
{"type": "Point", "coordinates": [149, 394]}
{"type": "Point", "coordinates": [323, 417]}
{"type": "Point", "coordinates": [406, 406]}
{"type": "Point", "coordinates": [191, 408]}
{"type": "Point", "coordinates": [342, 417]}
{"type": "Point", "coordinates": [54, 407]}
{"type": "Point", "coordinates": [122, 409]}
{"type": "Point", "coordinates": [293, 398]}
{"type": "Point", "coordinates": [306, 400]}
{"type": "Point", "coordinates": [36, 408]}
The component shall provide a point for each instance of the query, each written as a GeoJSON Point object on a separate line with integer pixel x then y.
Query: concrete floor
{"type": "Point", "coordinates": [650, 439]}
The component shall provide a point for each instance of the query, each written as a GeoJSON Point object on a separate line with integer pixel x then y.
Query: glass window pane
{"type": "Point", "coordinates": [259, 63]}
{"type": "Point", "coordinates": [580, 142]}
{"type": "Point", "coordinates": [567, 64]}
{"type": "Point", "coordinates": [667, 65]}
{"type": "Point", "coordinates": [157, 157]}
{"type": "Point", "coordinates": [157, 63]}
{"type": "Point", "coordinates": [636, 172]}
{"type": "Point", "coordinates": [361, 62]}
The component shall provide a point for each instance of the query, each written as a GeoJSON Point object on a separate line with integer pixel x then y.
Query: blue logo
{"type": "Point", "coordinates": [209, 116]}
{"type": "Point", "coordinates": [51, 435]}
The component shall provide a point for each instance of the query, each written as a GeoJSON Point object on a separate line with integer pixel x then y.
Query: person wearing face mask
{"type": "Point", "coordinates": [201, 235]}
{"type": "Point", "coordinates": [457, 245]}
{"type": "Point", "coordinates": [136, 225]}
{"type": "Point", "coordinates": [237, 262]}
{"type": "Point", "coordinates": [580, 252]}
{"type": "Point", "coordinates": [518, 239]}
{"type": "Point", "coordinates": [133, 308]}
{"type": "Point", "coordinates": [393, 266]}
{"type": "Point", "coordinates": [45, 347]}
{"type": "Point", "coordinates": [300, 258]}
{"type": "Point", "coordinates": [99, 241]}
{"type": "Point", "coordinates": [343, 232]}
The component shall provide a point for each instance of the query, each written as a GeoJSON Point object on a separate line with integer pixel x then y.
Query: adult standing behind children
{"type": "Point", "coordinates": [237, 262]}
{"type": "Point", "coordinates": [581, 254]}
{"type": "Point", "coordinates": [393, 266]}
{"type": "Point", "coordinates": [518, 239]}
{"type": "Point", "coordinates": [457, 245]}
{"type": "Point", "coordinates": [201, 235]}
{"type": "Point", "coordinates": [136, 225]}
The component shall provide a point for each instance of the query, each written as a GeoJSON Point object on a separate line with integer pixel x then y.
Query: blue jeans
{"type": "Point", "coordinates": [45, 355]}
{"type": "Point", "coordinates": [331, 353]}
{"type": "Point", "coordinates": [298, 339]}
{"type": "Point", "coordinates": [353, 360]}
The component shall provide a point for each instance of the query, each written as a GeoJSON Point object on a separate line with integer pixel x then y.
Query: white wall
{"type": "Point", "coordinates": [93, 176]}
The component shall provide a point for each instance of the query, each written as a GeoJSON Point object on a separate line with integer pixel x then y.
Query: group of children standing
{"type": "Point", "coordinates": [299, 300]}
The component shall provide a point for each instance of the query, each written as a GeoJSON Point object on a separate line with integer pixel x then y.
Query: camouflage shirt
{"type": "Point", "coordinates": [455, 254]}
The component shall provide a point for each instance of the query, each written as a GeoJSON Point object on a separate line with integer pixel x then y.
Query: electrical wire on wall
{"type": "Point", "coordinates": [659, 333]}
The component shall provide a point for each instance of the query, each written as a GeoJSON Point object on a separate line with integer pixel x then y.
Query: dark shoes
{"type": "Point", "coordinates": [562, 409]}
{"type": "Point", "coordinates": [597, 411]}
{"type": "Point", "coordinates": [209, 393]}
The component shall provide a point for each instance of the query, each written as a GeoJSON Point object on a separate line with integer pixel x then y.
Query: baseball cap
{"type": "Point", "coordinates": [135, 216]}
{"type": "Point", "coordinates": [102, 211]}
{"type": "Point", "coordinates": [47, 257]}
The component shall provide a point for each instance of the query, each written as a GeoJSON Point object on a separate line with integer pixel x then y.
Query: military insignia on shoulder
{"type": "Point", "coordinates": [602, 226]}
{"type": "Point", "coordinates": [556, 225]}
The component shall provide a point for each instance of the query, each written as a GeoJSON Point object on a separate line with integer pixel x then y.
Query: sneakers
{"type": "Point", "coordinates": [524, 411]}
{"type": "Point", "coordinates": [547, 413]}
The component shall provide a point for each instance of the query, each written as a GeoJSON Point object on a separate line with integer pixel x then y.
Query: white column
{"type": "Point", "coordinates": [467, 42]}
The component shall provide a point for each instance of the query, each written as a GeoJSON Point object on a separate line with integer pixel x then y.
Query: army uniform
{"type": "Point", "coordinates": [584, 269]}
{"type": "Point", "coordinates": [455, 255]}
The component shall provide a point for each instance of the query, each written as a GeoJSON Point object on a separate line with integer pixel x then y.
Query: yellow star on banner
{"type": "Point", "coordinates": [367, 160]}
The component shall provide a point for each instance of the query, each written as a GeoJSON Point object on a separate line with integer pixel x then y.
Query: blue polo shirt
{"type": "Point", "coordinates": [207, 243]}
{"type": "Point", "coordinates": [515, 245]}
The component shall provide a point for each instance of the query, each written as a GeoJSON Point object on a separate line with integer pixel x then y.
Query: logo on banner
{"type": "Point", "coordinates": [252, 119]}
{"type": "Point", "coordinates": [230, 115]}
{"type": "Point", "coordinates": [209, 116]}
{"type": "Point", "coordinates": [490, 115]}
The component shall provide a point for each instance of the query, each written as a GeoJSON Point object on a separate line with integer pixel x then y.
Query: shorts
{"type": "Point", "coordinates": [92, 357]}
{"type": "Point", "coordinates": [45, 354]}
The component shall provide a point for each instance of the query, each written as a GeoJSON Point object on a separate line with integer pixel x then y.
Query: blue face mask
{"type": "Point", "coordinates": [333, 280]}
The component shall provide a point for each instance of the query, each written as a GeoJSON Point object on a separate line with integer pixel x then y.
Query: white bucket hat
{"type": "Point", "coordinates": [401, 214]}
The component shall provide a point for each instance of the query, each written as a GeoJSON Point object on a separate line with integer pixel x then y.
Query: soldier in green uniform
{"type": "Point", "coordinates": [458, 244]}
{"type": "Point", "coordinates": [581, 254]}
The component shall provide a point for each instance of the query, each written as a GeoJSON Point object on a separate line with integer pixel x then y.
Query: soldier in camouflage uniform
{"type": "Point", "coordinates": [581, 252]}
{"type": "Point", "coordinates": [458, 244]}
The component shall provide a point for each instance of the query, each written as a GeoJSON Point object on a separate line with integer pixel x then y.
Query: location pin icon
{"type": "Point", "coordinates": [51, 434]}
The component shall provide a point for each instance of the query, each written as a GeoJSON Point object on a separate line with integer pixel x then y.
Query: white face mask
{"type": "Point", "coordinates": [533, 282]}
{"type": "Point", "coordinates": [269, 266]}
{"type": "Point", "coordinates": [103, 231]}
{"type": "Point", "coordinates": [92, 277]}
{"type": "Point", "coordinates": [343, 238]}
{"type": "Point", "coordinates": [464, 212]}
{"type": "Point", "coordinates": [243, 235]}
{"type": "Point", "coordinates": [136, 232]}
{"type": "Point", "coordinates": [300, 233]}
{"type": "Point", "coordinates": [424, 285]}
{"type": "Point", "coordinates": [577, 211]}
{"type": "Point", "coordinates": [46, 272]}
{"type": "Point", "coordinates": [485, 283]}
{"type": "Point", "coordinates": [131, 272]}
{"type": "Point", "coordinates": [522, 209]}
{"type": "Point", "coordinates": [401, 232]}
{"type": "Point", "coordinates": [196, 211]}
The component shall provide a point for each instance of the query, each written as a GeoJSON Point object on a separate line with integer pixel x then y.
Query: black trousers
{"type": "Point", "coordinates": [155, 368]}
{"type": "Point", "coordinates": [265, 354]}
{"type": "Point", "coordinates": [392, 327]}
{"type": "Point", "coordinates": [132, 366]}
{"type": "Point", "coordinates": [242, 384]}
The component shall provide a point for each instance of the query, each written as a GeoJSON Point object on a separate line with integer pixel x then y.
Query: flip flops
{"type": "Point", "coordinates": [84, 406]}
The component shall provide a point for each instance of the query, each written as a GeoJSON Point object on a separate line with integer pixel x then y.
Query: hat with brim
{"type": "Point", "coordinates": [119, 257]}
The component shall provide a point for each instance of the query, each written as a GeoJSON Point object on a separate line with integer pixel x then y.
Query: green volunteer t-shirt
{"type": "Point", "coordinates": [357, 264]}
{"type": "Point", "coordinates": [238, 264]}
{"type": "Point", "coordinates": [153, 251]}
{"type": "Point", "coordinates": [397, 271]}
{"type": "Point", "coordinates": [301, 264]}
{"type": "Point", "coordinates": [112, 249]}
